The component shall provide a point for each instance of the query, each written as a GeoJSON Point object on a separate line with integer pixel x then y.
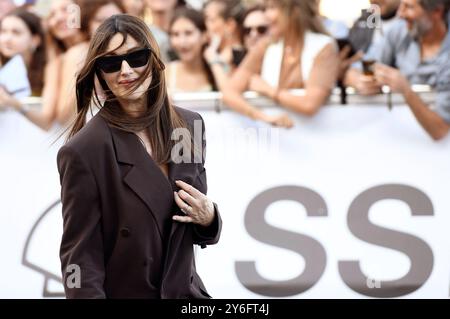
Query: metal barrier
{"type": "Point", "coordinates": [350, 203]}
{"type": "Point", "coordinates": [213, 100]}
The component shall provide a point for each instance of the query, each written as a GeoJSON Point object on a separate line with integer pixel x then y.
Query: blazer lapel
{"type": "Point", "coordinates": [143, 176]}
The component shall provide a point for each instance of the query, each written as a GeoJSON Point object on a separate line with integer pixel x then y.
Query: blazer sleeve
{"type": "Point", "coordinates": [210, 235]}
{"type": "Point", "coordinates": [81, 244]}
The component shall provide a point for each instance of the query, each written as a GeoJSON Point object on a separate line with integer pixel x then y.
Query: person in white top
{"type": "Point", "coordinates": [298, 54]}
{"type": "Point", "coordinates": [188, 37]}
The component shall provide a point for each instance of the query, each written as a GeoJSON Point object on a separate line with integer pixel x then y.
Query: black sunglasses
{"type": "Point", "coordinates": [113, 63]}
{"type": "Point", "coordinates": [261, 29]}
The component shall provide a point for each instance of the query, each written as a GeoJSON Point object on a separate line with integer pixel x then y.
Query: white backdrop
{"type": "Point", "coordinates": [337, 155]}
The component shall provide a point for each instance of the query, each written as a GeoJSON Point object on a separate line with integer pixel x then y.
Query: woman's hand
{"type": "Point", "coordinates": [7, 99]}
{"type": "Point", "coordinates": [282, 120]}
{"type": "Point", "coordinates": [211, 53]}
{"type": "Point", "coordinates": [367, 85]}
{"type": "Point", "coordinates": [386, 75]}
{"type": "Point", "coordinates": [260, 86]}
{"type": "Point", "coordinates": [198, 208]}
{"type": "Point", "coordinates": [346, 61]}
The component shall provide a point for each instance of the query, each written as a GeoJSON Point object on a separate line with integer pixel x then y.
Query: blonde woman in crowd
{"type": "Point", "coordinates": [299, 54]}
{"type": "Point", "coordinates": [223, 19]}
{"type": "Point", "coordinates": [188, 38]}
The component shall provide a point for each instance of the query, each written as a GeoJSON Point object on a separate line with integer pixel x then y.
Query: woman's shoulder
{"type": "Point", "coordinates": [171, 74]}
{"type": "Point", "coordinates": [319, 46]}
{"type": "Point", "coordinates": [188, 115]}
{"type": "Point", "coordinates": [318, 40]}
{"type": "Point", "coordinates": [254, 58]}
{"type": "Point", "coordinates": [173, 64]}
{"type": "Point", "coordinates": [169, 67]}
{"type": "Point", "coordinates": [76, 54]}
{"type": "Point", "coordinates": [77, 49]}
{"type": "Point", "coordinates": [193, 119]}
{"type": "Point", "coordinates": [91, 138]}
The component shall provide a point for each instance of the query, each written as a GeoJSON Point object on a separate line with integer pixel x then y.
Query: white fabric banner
{"type": "Point", "coordinates": [352, 203]}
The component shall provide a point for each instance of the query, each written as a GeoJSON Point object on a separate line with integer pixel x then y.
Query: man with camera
{"type": "Point", "coordinates": [415, 51]}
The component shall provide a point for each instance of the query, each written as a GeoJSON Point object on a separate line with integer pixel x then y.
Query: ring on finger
{"type": "Point", "coordinates": [187, 209]}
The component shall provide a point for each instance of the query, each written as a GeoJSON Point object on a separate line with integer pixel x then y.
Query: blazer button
{"type": "Point", "coordinates": [125, 232]}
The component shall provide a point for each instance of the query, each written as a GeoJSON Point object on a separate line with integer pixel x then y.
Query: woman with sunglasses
{"type": "Point", "coordinates": [255, 26]}
{"type": "Point", "coordinates": [133, 178]}
{"type": "Point", "coordinates": [298, 55]}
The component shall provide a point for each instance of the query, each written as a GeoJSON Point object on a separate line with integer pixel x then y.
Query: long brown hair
{"type": "Point", "coordinates": [38, 59]}
{"type": "Point", "coordinates": [234, 10]}
{"type": "Point", "coordinates": [302, 16]}
{"type": "Point", "coordinates": [159, 118]}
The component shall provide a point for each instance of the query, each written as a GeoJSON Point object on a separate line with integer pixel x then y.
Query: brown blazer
{"type": "Point", "coordinates": [117, 208]}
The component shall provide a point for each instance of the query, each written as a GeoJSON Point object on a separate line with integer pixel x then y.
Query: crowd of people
{"type": "Point", "coordinates": [232, 46]}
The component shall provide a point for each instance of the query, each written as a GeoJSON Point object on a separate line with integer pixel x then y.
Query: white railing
{"type": "Point", "coordinates": [213, 100]}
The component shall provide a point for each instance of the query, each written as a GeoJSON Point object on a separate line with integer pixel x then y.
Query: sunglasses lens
{"type": "Point", "coordinates": [139, 58]}
{"type": "Point", "coordinates": [262, 29]}
{"type": "Point", "coordinates": [110, 64]}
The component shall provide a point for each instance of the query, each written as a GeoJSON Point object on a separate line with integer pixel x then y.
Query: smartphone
{"type": "Point", "coordinates": [343, 42]}
{"type": "Point", "coordinates": [368, 66]}
{"type": "Point", "coordinates": [238, 55]}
